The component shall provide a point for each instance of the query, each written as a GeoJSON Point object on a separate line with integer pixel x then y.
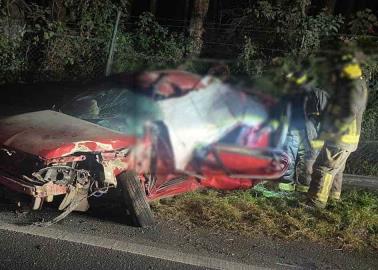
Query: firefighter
{"type": "Point", "coordinates": [295, 97]}
{"type": "Point", "coordinates": [339, 132]}
{"type": "Point", "coordinates": [314, 105]}
{"type": "Point", "coordinates": [307, 104]}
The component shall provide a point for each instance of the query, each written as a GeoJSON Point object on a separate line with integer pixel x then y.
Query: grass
{"type": "Point", "coordinates": [349, 224]}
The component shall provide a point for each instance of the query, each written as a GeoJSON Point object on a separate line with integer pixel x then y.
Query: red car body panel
{"type": "Point", "coordinates": [50, 135]}
{"type": "Point", "coordinates": [172, 185]}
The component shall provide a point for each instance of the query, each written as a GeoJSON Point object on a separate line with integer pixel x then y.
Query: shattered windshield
{"type": "Point", "coordinates": [118, 109]}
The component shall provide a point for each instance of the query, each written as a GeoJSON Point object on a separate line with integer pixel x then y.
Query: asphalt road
{"type": "Point", "coordinates": [20, 251]}
{"type": "Point", "coordinates": [101, 239]}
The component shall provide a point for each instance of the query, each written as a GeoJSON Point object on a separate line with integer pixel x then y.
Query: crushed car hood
{"type": "Point", "coordinates": [49, 134]}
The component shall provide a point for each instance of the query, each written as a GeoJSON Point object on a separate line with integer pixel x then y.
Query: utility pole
{"type": "Point", "coordinates": [112, 46]}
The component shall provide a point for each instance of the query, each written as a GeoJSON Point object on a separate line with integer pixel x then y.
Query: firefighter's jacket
{"type": "Point", "coordinates": [315, 103]}
{"type": "Point", "coordinates": [341, 125]}
{"type": "Point", "coordinates": [308, 104]}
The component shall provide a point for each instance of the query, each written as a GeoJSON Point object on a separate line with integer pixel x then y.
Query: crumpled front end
{"type": "Point", "coordinates": [76, 176]}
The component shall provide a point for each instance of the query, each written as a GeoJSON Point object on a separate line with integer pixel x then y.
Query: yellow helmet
{"type": "Point", "coordinates": [299, 78]}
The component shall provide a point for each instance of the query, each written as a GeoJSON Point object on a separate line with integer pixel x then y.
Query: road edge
{"type": "Point", "coordinates": [128, 247]}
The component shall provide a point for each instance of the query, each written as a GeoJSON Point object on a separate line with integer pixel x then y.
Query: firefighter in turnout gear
{"type": "Point", "coordinates": [314, 106]}
{"type": "Point", "coordinates": [307, 102]}
{"type": "Point", "coordinates": [339, 131]}
{"type": "Point", "coordinates": [296, 132]}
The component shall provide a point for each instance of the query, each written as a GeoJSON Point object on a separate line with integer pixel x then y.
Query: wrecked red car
{"type": "Point", "coordinates": [161, 134]}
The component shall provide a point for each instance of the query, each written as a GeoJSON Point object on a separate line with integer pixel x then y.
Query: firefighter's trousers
{"type": "Point", "coordinates": [327, 174]}
{"type": "Point", "coordinates": [302, 157]}
{"type": "Point", "coordinates": [305, 162]}
{"type": "Point", "coordinates": [293, 141]}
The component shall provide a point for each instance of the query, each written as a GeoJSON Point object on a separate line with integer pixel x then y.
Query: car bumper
{"type": "Point", "coordinates": [32, 189]}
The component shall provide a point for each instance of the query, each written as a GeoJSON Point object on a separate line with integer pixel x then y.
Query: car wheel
{"type": "Point", "coordinates": [135, 199]}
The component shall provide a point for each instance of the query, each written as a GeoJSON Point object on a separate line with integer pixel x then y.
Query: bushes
{"type": "Point", "coordinates": [73, 58]}
{"type": "Point", "coordinates": [150, 45]}
{"type": "Point", "coordinates": [282, 30]}
{"type": "Point", "coordinates": [11, 58]}
{"type": "Point", "coordinates": [54, 50]}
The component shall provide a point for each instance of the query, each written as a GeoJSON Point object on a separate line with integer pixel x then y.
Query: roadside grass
{"type": "Point", "coordinates": [351, 223]}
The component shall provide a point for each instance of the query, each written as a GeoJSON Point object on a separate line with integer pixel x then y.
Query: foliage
{"type": "Point", "coordinates": [71, 58]}
{"type": "Point", "coordinates": [282, 29]}
{"type": "Point", "coordinates": [318, 28]}
{"type": "Point", "coordinates": [247, 60]}
{"type": "Point", "coordinates": [363, 22]}
{"type": "Point", "coordinates": [370, 68]}
{"type": "Point", "coordinates": [78, 46]}
{"type": "Point", "coordinates": [65, 39]}
{"type": "Point", "coordinates": [75, 44]}
{"type": "Point", "coordinates": [370, 123]}
{"type": "Point", "coordinates": [94, 18]}
{"type": "Point", "coordinates": [150, 45]}
{"type": "Point", "coordinates": [11, 57]}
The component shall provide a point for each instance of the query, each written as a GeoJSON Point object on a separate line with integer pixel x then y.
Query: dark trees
{"type": "Point", "coordinates": [196, 29]}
